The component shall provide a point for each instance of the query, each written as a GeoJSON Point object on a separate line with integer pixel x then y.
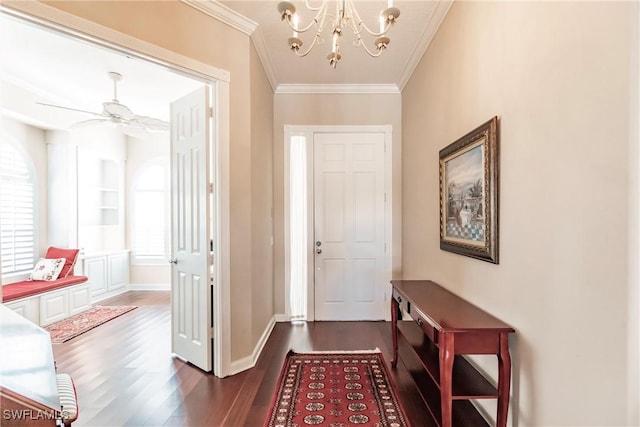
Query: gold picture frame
{"type": "Point", "coordinates": [469, 177]}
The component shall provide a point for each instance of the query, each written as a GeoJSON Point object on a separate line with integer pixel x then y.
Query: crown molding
{"type": "Point", "coordinates": [436, 18]}
{"type": "Point", "coordinates": [260, 44]}
{"type": "Point", "coordinates": [245, 25]}
{"type": "Point", "coordinates": [336, 89]}
{"type": "Point", "coordinates": [224, 14]}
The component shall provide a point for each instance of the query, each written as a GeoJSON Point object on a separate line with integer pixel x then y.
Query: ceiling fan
{"type": "Point", "coordinates": [115, 112]}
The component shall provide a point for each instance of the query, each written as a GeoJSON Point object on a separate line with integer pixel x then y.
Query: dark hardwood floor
{"type": "Point", "coordinates": [125, 374]}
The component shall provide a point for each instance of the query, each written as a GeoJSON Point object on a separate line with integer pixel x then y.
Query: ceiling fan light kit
{"type": "Point", "coordinates": [346, 17]}
{"type": "Point", "coordinates": [115, 112]}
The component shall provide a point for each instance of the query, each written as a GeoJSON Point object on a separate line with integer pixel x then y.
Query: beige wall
{"type": "Point", "coordinates": [332, 109]}
{"type": "Point", "coordinates": [180, 28]}
{"type": "Point", "coordinates": [262, 197]}
{"type": "Point", "coordinates": [558, 75]}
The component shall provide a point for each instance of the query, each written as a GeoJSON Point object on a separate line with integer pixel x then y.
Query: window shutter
{"type": "Point", "coordinates": [149, 219]}
{"type": "Point", "coordinates": [17, 216]}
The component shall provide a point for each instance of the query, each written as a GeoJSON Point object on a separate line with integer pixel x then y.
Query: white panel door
{"type": "Point", "coordinates": [190, 205]}
{"type": "Point", "coordinates": [349, 209]}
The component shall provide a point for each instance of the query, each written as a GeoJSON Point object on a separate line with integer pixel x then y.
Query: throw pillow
{"type": "Point", "coordinates": [70, 255]}
{"type": "Point", "coordinates": [47, 269]}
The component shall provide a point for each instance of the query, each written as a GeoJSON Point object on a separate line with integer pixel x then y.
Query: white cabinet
{"type": "Point", "coordinates": [48, 307]}
{"type": "Point", "coordinates": [95, 268]}
{"type": "Point", "coordinates": [28, 308]}
{"type": "Point", "coordinates": [108, 273]}
{"type": "Point", "coordinates": [54, 306]}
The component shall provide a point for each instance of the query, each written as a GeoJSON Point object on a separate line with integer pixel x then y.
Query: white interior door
{"type": "Point", "coordinates": [349, 221]}
{"type": "Point", "coordinates": [191, 308]}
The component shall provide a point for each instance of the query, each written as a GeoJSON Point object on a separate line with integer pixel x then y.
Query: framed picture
{"type": "Point", "coordinates": [469, 194]}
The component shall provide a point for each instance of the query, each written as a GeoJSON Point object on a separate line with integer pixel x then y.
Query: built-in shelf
{"type": "Point", "coordinates": [99, 193]}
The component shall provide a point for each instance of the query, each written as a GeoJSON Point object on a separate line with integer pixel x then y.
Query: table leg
{"type": "Point", "coordinates": [447, 356]}
{"type": "Point", "coordinates": [394, 331]}
{"type": "Point", "coordinates": [504, 380]}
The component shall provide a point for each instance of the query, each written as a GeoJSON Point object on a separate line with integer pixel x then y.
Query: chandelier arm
{"type": "Point", "coordinates": [317, 21]}
{"type": "Point", "coordinates": [357, 21]}
{"type": "Point", "coordinates": [313, 43]}
{"type": "Point", "coordinates": [361, 24]}
{"type": "Point", "coordinates": [376, 54]}
{"type": "Point", "coordinates": [309, 6]}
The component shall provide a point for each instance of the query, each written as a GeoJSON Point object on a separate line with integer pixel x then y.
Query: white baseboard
{"type": "Point", "coordinates": [249, 362]}
{"type": "Point", "coordinates": [149, 286]}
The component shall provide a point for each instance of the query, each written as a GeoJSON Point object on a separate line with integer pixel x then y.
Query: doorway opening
{"type": "Point", "coordinates": [46, 18]}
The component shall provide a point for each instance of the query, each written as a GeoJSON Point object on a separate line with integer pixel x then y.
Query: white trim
{"type": "Point", "coordinates": [243, 24]}
{"type": "Point", "coordinates": [260, 43]}
{"type": "Point", "coordinates": [249, 362]}
{"type": "Point", "coordinates": [333, 89]}
{"type": "Point", "coordinates": [149, 286]}
{"type": "Point", "coordinates": [224, 14]}
{"type": "Point", "coordinates": [309, 132]}
{"type": "Point", "coordinates": [222, 293]}
{"type": "Point", "coordinates": [79, 28]}
{"type": "Point", "coordinates": [429, 32]}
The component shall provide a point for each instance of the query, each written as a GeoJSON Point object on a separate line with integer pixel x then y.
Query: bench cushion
{"type": "Point", "coordinates": [28, 288]}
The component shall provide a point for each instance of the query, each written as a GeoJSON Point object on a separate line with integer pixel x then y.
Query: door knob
{"type": "Point", "coordinates": [318, 251]}
{"type": "Point", "coordinates": [173, 261]}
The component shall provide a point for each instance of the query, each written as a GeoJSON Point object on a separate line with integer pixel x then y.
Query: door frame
{"type": "Point", "coordinates": [72, 26]}
{"type": "Point", "coordinates": [309, 132]}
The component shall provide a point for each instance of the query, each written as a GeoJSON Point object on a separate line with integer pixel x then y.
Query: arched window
{"type": "Point", "coordinates": [150, 222]}
{"type": "Point", "coordinates": [17, 213]}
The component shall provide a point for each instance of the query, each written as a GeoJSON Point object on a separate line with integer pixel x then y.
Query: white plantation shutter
{"type": "Point", "coordinates": [17, 216]}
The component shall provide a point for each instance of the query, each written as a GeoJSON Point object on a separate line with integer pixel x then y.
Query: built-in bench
{"type": "Point", "coordinates": [45, 302]}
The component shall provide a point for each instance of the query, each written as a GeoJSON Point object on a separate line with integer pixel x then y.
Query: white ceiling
{"type": "Point", "coordinates": [40, 65]}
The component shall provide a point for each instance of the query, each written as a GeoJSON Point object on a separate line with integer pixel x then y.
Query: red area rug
{"type": "Point", "coordinates": [80, 323]}
{"type": "Point", "coordinates": [335, 390]}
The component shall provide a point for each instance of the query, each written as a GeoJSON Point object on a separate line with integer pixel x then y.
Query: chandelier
{"type": "Point", "coordinates": [345, 18]}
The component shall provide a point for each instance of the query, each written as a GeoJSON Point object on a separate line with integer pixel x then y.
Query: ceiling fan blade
{"type": "Point", "coordinates": [151, 123]}
{"type": "Point", "coordinates": [89, 122]}
{"type": "Point", "coordinates": [116, 109]}
{"type": "Point", "coordinates": [131, 129]}
{"type": "Point", "coordinates": [69, 108]}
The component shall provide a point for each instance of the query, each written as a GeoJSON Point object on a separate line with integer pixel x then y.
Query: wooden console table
{"type": "Point", "coordinates": [446, 327]}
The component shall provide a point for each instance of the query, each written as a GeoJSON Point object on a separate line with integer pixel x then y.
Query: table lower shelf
{"type": "Point", "coordinates": [465, 414]}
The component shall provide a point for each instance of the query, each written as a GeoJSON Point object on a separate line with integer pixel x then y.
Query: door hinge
{"type": "Point", "coordinates": [211, 188]}
{"type": "Point", "coordinates": [385, 197]}
{"type": "Point", "coordinates": [211, 112]}
{"type": "Point", "coordinates": [212, 333]}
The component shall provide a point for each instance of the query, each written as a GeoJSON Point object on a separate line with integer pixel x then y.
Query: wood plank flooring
{"type": "Point", "coordinates": [125, 374]}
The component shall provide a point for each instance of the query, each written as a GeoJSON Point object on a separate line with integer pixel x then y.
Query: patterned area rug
{"type": "Point", "coordinates": [80, 323]}
{"type": "Point", "coordinates": [335, 390]}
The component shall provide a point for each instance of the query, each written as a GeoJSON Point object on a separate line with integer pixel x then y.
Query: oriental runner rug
{"type": "Point", "coordinates": [335, 390]}
{"type": "Point", "coordinates": [80, 323]}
